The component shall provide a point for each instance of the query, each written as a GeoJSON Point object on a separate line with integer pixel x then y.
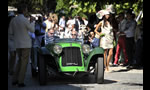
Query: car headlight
{"type": "Point", "coordinates": [57, 49]}
{"type": "Point", "coordinates": [86, 49]}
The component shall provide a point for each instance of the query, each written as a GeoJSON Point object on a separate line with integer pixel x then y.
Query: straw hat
{"type": "Point", "coordinates": [109, 9]}
{"type": "Point", "coordinates": [101, 13]}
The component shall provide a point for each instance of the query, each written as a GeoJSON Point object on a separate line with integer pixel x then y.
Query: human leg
{"type": "Point", "coordinates": [121, 57]}
{"type": "Point", "coordinates": [129, 49]}
{"type": "Point", "coordinates": [105, 55]}
{"type": "Point", "coordinates": [18, 65]}
{"type": "Point", "coordinates": [24, 62]}
{"type": "Point", "coordinates": [12, 61]}
{"type": "Point", "coordinates": [109, 58]}
{"type": "Point", "coordinates": [117, 53]}
{"type": "Point", "coordinates": [21, 66]}
{"type": "Point", "coordinates": [125, 54]}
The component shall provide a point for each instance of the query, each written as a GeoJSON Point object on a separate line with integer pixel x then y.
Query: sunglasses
{"type": "Point", "coordinates": [51, 33]}
{"type": "Point", "coordinates": [73, 34]}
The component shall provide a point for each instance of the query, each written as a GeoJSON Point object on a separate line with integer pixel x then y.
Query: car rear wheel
{"type": "Point", "coordinates": [42, 70]}
{"type": "Point", "coordinates": [99, 70]}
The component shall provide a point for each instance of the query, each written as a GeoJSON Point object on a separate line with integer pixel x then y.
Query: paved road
{"type": "Point", "coordinates": [118, 78]}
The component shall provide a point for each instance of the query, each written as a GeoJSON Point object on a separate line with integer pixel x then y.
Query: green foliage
{"type": "Point", "coordinates": [76, 7]}
{"type": "Point", "coordinates": [33, 5]}
{"type": "Point", "coordinates": [79, 7]}
{"type": "Point", "coordinates": [135, 6]}
{"type": "Point", "coordinates": [87, 7]}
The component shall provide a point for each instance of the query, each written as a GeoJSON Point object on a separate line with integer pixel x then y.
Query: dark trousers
{"type": "Point", "coordinates": [130, 49]}
{"type": "Point", "coordinates": [138, 52]}
{"type": "Point", "coordinates": [12, 61]}
{"type": "Point", "coordinates": [21, 67]}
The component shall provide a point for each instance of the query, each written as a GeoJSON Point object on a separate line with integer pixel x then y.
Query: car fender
{"type": "Point", "coordinates": [96, 51]}
{"type": "Point", "coordinates": [44, 51]}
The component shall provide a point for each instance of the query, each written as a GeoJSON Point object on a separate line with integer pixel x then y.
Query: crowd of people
{"type": "Point", "coordinates": [120, 37]}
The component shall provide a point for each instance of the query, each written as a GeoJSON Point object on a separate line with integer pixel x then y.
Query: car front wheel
{"type": "Point", "coordinates": [99, 70]}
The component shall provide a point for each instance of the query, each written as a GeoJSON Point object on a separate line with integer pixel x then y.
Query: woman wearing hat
{"type": "Point", "coordinates": [106, 35]}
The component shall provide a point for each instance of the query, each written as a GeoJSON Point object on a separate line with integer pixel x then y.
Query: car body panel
{"type": "Point", "coordinates": [66, 43]}
{"type": "Point", "coordinates": [95, 51]}
{"type": "Point", "coordinates": [71, 59]}
{"type": "Point", "coordinates": [58, 58]}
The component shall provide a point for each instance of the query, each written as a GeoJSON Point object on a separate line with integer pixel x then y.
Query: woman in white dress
{"type": "Point", "coordinates": [106, 38]}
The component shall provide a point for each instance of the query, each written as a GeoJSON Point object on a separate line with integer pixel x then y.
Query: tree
{"type": "Point", "coordinates": [33, 5]}
{"type": "Point", "coordinates": [88, 7]}
{"type": "Point", "coordinates": [83, 8]}
{"type": "Point", "coordinates": [76, 7]}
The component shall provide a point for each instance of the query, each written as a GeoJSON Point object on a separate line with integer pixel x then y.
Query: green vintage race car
{"type": "Point", "coordinates": [67, 56]}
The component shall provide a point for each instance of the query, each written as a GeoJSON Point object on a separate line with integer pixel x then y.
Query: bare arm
{"type": "Point", "coordinates": [97, 26]}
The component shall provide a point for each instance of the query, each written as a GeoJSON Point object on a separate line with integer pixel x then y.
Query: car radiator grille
{"type": "Point", "coordinates": [71, 56]}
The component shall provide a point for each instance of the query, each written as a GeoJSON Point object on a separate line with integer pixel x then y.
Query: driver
{"type": "Point", "coordinates": [49, 36]}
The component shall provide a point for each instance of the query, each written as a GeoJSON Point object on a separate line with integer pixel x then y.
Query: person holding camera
{"type": "Point", "coordinates": [40, 28]}
{"type": "Point", "coordinates": [94, 42]}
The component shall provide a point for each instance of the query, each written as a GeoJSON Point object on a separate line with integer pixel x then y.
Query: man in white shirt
{"type": "Point", "coordinates": [85, 21]}
{"type": "Point", "coordinates": [70, 26]}
{"type": "Point", "coordinates": [62, 23]}
{"type": "Point", "coordinates": [19, 28]}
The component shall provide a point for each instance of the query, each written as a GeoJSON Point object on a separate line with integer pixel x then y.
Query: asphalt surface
{"type": "Point", "coordinates": [118, 78]}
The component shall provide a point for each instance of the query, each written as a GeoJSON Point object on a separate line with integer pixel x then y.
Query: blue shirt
{"type": "Point", "coordinates": [130, 28]}
{"type": "Point", "coordinates": [38, 27]}
{"type": "Point", "coordinates": [95, 42]}
{"type": "Point", "coordinates": [48, 39]}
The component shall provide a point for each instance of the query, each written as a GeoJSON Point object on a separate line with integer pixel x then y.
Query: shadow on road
{"type": "Point", "coordinates": [126, 70]}
{"type": "Point", "coordinates": [76, 80]}
{"type": "Point", "coordinates": [133, 84]}
{"type": "Point", "coordinates": [121, 70]}
{"type": "Point", "coordinates": [109, 81]}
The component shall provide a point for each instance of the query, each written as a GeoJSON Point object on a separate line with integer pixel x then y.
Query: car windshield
{"type": "Point", "coordinates": [56, 39]}
{"type": "Point", "coordinates": [67, 40]}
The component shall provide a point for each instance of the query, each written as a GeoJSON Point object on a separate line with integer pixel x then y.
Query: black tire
{"type": "Point", "coordinates": [33, 71]}
{"type": "Point", "coordinates": [42, 70]}
{"type": "Point", "coordinates": [99, 70]}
